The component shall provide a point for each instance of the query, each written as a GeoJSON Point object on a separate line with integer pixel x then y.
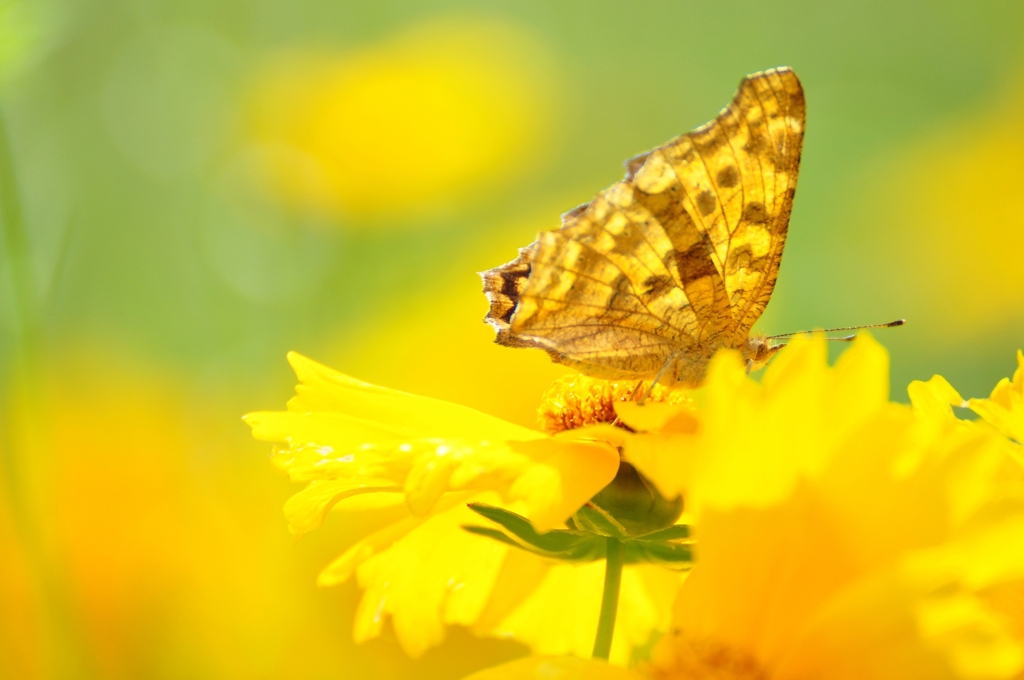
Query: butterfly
{"type": "Point", "coordinates": [675, 262]}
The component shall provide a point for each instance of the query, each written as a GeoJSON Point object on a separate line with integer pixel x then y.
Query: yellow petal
{"type": "Point", "coordinates": [1004, 409]}
{"type": "Point", "coordinates": [868, 629]}
{"type": "Point", "coordinates": [982, 558]}
{"type": "Point", "coordinates": [348, 437]}
{"type": "Point", "coordinates": [339, 431]}
{"type": "Point", "coordinates": [753, 442]}
{"type": "Point", "coordinates": [322, 389]}
{"type": "Point", "coordinates": [669, 461]}
{"type": "Point", "coordinates": [657, 417]}
{"type": "Point", "coordinates": [437, 574]}
{"type": "Point", "coordinates": [602, 432]}
{"type": "Point", "coordinates": [973, 638]}
{"type": "Point", "coordinates": [934, 399]}
{"type": "Point", "coordinates": [866, 567]}
{"type": "Point", "coordinates": [342, 568]}
{"type": "Point", "coordinates": [520, 575]}
{"type": "Point", "coordinates": [305, 510]}
{"type": "Point", "coordinates": [555, 668]}
{"type": "Point", "coordinates": [564, 476]}
{"type": "Point", "coordinates": [444, 465]}
{"type": "Point", "coordinates": [802, 361]}
{"type": "Point", "coordinates": [861, 378]}
{"type": "Point", "coordinates": [560, 615]}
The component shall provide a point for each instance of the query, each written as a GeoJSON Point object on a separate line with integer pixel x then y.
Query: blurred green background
{"type": "Point", "coordinates": [191, 189]}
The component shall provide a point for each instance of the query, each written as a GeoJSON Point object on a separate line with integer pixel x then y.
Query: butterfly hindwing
{"type": "Point", "coordinates": [677, 260]}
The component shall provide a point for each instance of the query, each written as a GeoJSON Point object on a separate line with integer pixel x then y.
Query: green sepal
{"type": "Point", "coordinates": [635, 503]}
{"type": "Point", "coordinates": [663, 553]}
{"type": "Point", "coordinates": [673, 533]}
{"type": "Point", "coordinates": [496, 534]}
{"type": "Point", "coordinates": [587, 550]}
{"type": "Point", "coordinates": [587, 540]}
{"type": "Point", "coordinates": [595, 520]}
{"type": "Point", "coordinates": [520, 527]}
{"type": "Point", "coordinates": [558, 544]}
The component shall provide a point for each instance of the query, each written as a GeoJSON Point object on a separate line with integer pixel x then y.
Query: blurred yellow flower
{"type": "Point", "coordinates": [152, 537]}
{"type": "Point", "coordinates": [838, 535]}
{"type": "Point", "coordinates": [951, 200]}
{"type": "Point", "coordinates": [362, 446]}
{"type": "Point", "coordinates": [406, 126]}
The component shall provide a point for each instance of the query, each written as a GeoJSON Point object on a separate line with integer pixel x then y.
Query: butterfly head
{"type": "Point", "coordinates": [759, 349]}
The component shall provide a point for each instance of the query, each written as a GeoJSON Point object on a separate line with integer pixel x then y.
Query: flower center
{"type": "Point", "coordinates": [577, 400]}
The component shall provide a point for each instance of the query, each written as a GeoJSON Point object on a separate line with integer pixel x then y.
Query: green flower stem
{"type": "Point", "coordinates": [610, 598]}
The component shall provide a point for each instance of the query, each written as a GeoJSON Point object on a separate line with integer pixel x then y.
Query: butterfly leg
{"type": "Point", "coordinates": [661, 372]}
{"type": "Point", "coordinates": [636, 390]}
{"type": "Point", "coordinates": [632, 397]}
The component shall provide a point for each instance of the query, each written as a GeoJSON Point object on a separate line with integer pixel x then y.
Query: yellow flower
{"type": "Point", "coordinates": [756, 441]}
{"type": "Point", "coordinates": [838, 535]}
{"type": "Point", "coordinates": [405, 127]}
{"type": "Point", "coordinates": [420, 461]}
{"type": "Point", "coordinates": [1004, 408]}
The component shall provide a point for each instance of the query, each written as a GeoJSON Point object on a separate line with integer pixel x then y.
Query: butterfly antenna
{"type": "Point", "coordinates": [847, 338]}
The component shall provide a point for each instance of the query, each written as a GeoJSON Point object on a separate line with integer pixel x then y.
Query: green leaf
{"type": "Point", "coordinates": [499, 536]}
